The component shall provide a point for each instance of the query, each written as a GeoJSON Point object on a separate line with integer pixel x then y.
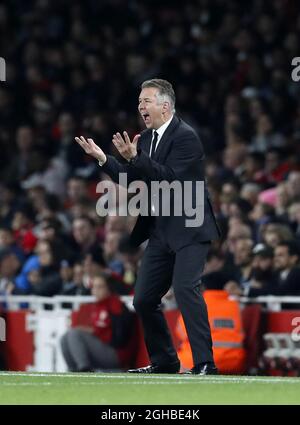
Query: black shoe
{"type": "Point", "coordinates": [171, 368]}
{"type": "Point", "coordinates": [203, 369]}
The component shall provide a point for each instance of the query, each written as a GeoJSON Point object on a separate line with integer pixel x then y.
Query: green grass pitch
{"type": "Point", "coordinates": [122, 388]}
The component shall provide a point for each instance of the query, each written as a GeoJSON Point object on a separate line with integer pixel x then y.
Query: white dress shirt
{"type": "Point", "coordinates": [160, 131]}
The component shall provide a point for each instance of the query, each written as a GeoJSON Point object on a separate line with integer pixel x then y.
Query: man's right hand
{"type": "Point", "coordinates": [90, 147]}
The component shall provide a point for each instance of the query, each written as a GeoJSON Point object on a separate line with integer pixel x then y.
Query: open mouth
{"type": "Point", "coordinates": [146, 118]}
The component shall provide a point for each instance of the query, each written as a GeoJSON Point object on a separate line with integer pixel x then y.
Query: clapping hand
{"type": "Point", "coordinates": [125, 147]}
{"type": "Point", "coordinates": [90, 147]}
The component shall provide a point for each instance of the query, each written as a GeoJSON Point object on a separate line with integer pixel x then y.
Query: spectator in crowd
{"type": "Point", "coordinates": [276, 168]}
{"type": "Point", "coordinates": [243, 260]}
{"type": "Point", "coordinates": [7, 242]}
{"type": "Point", "coordinates": [103, 343]}
{"type": "Point", "coordinates": [235, 233]}
{"type": "Point", "coordinates": [45, 279]}
{"type": "Point", "coordinates": [9, 266]}
{"type": "Point", "coordinates": [123, 263]}
{"type": "Point", "coordinates": [274, 233]}
{"type": "Point", "coordinates": [293, 185]}
{"type": "Point", "coordinates": [263, 279]}
{"type": "Point", "coordinates": [265, 137]}
{"type": "Point", "coordinates": [19, 167]}
{"type": "Point", "coordinates": [22, 227]}
{"type": "Point", "coordinates": [85, 237]}
{"type": "Point", "coordinates": [130, 257]}
{"type": "Point", "coordinates": [286, 262]}
{"type": "Point", "coordinates": [50, 229]}
{"type": "Point", "coordinates": [92, 265]}
{"type": "Point", "coordinates": [9, 202]}
{"type": "Point", "coordinates": [216, 272]}
{"type": "Point", "coordinates": [294, 218]}
{"type": "Point", "coordinates": [250, 192]}
{"type": "Point", "coordinates": [72, 277]}
{"type": "Point", "coordinates": [261, 215]}
{"type": "Point", "coordinates": [253, 167]}
{"type": "Point", "coordinates": [283, 200]}
{"type": "Point", "coordinates": [110, 250]}
{"type": "Point", "coordinates": [48, 172]}
{"type": "Point", "coordinates": [22, 281]}
{"type": "Point", "coordinates": [66, 150]}
{"type": "Point", "coordinates": [115, 223]}
{"type": "Point", "coordinates": [77, 191]}
{"type": "Point", "coordinates": [80, 209]}
{"type": "Point", "coordinates": [272, 273]}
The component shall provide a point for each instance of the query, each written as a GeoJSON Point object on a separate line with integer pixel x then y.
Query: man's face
{"type": "Point", "coordinates": [262, 268]}
{"type": "Point", "coordinates": [43, 250]}
{"type": "Point", "coordinates": [76, 189]}
{"type": "Point", "coordinates": [153, 114]}
{"type": "Point", "coordinates": [262, 263]}
{"type": "Point", "coordinates": [81, 231]}
{"type": "Point", "coordinates": [100, 288]}
{"type": "Point", "coordinates": [6, 238]}
{"type": "Point", "coordinates": [242, 253]}
{"type": "Point", "coordinates": [9, 266]}
{"type": "Point", "coordinates": [281, 258]}
{"type": "Point", "coordinates": [111, 243]}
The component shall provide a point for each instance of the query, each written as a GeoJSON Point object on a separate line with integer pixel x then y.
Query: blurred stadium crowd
{"type": "Point", "coordinates": [74, 68]}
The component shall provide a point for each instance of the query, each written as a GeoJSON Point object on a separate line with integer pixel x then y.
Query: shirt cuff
{"type": "Point", "coordinates": [133, 160]}
{"type": "Point", "coordinates": [101, 163]}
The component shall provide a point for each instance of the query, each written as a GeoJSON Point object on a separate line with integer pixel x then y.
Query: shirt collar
{"type": "Point", "coordinates": [163, 128]}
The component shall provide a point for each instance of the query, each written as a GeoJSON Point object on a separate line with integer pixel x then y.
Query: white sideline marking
{"type": "Point", "coordinates": [38, 384]}
{"type": "Point", "coordinates": [128, 377]}
{"type": "Point", "coordinates": [88, 384]}
{"type": "Point", "coordinates": [23, 384]}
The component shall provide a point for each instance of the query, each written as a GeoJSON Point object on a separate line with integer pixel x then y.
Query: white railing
{"type": "Point", "coordinates": [58, 302]}
{"type": "Point", "coordinates": [273, 303]}
{"type": "Point", "coordinates": [34, 302]}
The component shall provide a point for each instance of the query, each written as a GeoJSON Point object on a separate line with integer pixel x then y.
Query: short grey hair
{"type": "Point", "coordinates": [165, 91]}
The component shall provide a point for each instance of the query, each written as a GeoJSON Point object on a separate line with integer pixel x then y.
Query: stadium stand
{"type": "Point", "coordinates": [75, 68]}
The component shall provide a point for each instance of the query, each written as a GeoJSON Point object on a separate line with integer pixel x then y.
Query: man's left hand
{"type": "Point", "coordinates": [125, 147]}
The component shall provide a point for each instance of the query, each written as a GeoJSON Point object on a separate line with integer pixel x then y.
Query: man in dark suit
{"type": "Point", "coordinates": [168, 150]}
{"type": "Point", "coordinates": [286, 263]}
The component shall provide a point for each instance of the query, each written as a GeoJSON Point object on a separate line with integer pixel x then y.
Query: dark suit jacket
{"type": "Point", "coordinates": [179, 156]}
{"type": "Point", "coordinates": [291, 284]}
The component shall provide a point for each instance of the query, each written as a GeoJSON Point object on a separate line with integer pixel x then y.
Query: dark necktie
{"type": "Point", "coordinates": [154, 143]}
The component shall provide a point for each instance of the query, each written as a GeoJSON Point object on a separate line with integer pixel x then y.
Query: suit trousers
{"type": "Point", "coordinates": [160, 268]}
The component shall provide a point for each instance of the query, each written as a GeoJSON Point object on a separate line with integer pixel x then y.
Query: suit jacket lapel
{"type": "Point", "coordinates": [166, 140]}
{"type": "Point", "coordinates": [145, 141]}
